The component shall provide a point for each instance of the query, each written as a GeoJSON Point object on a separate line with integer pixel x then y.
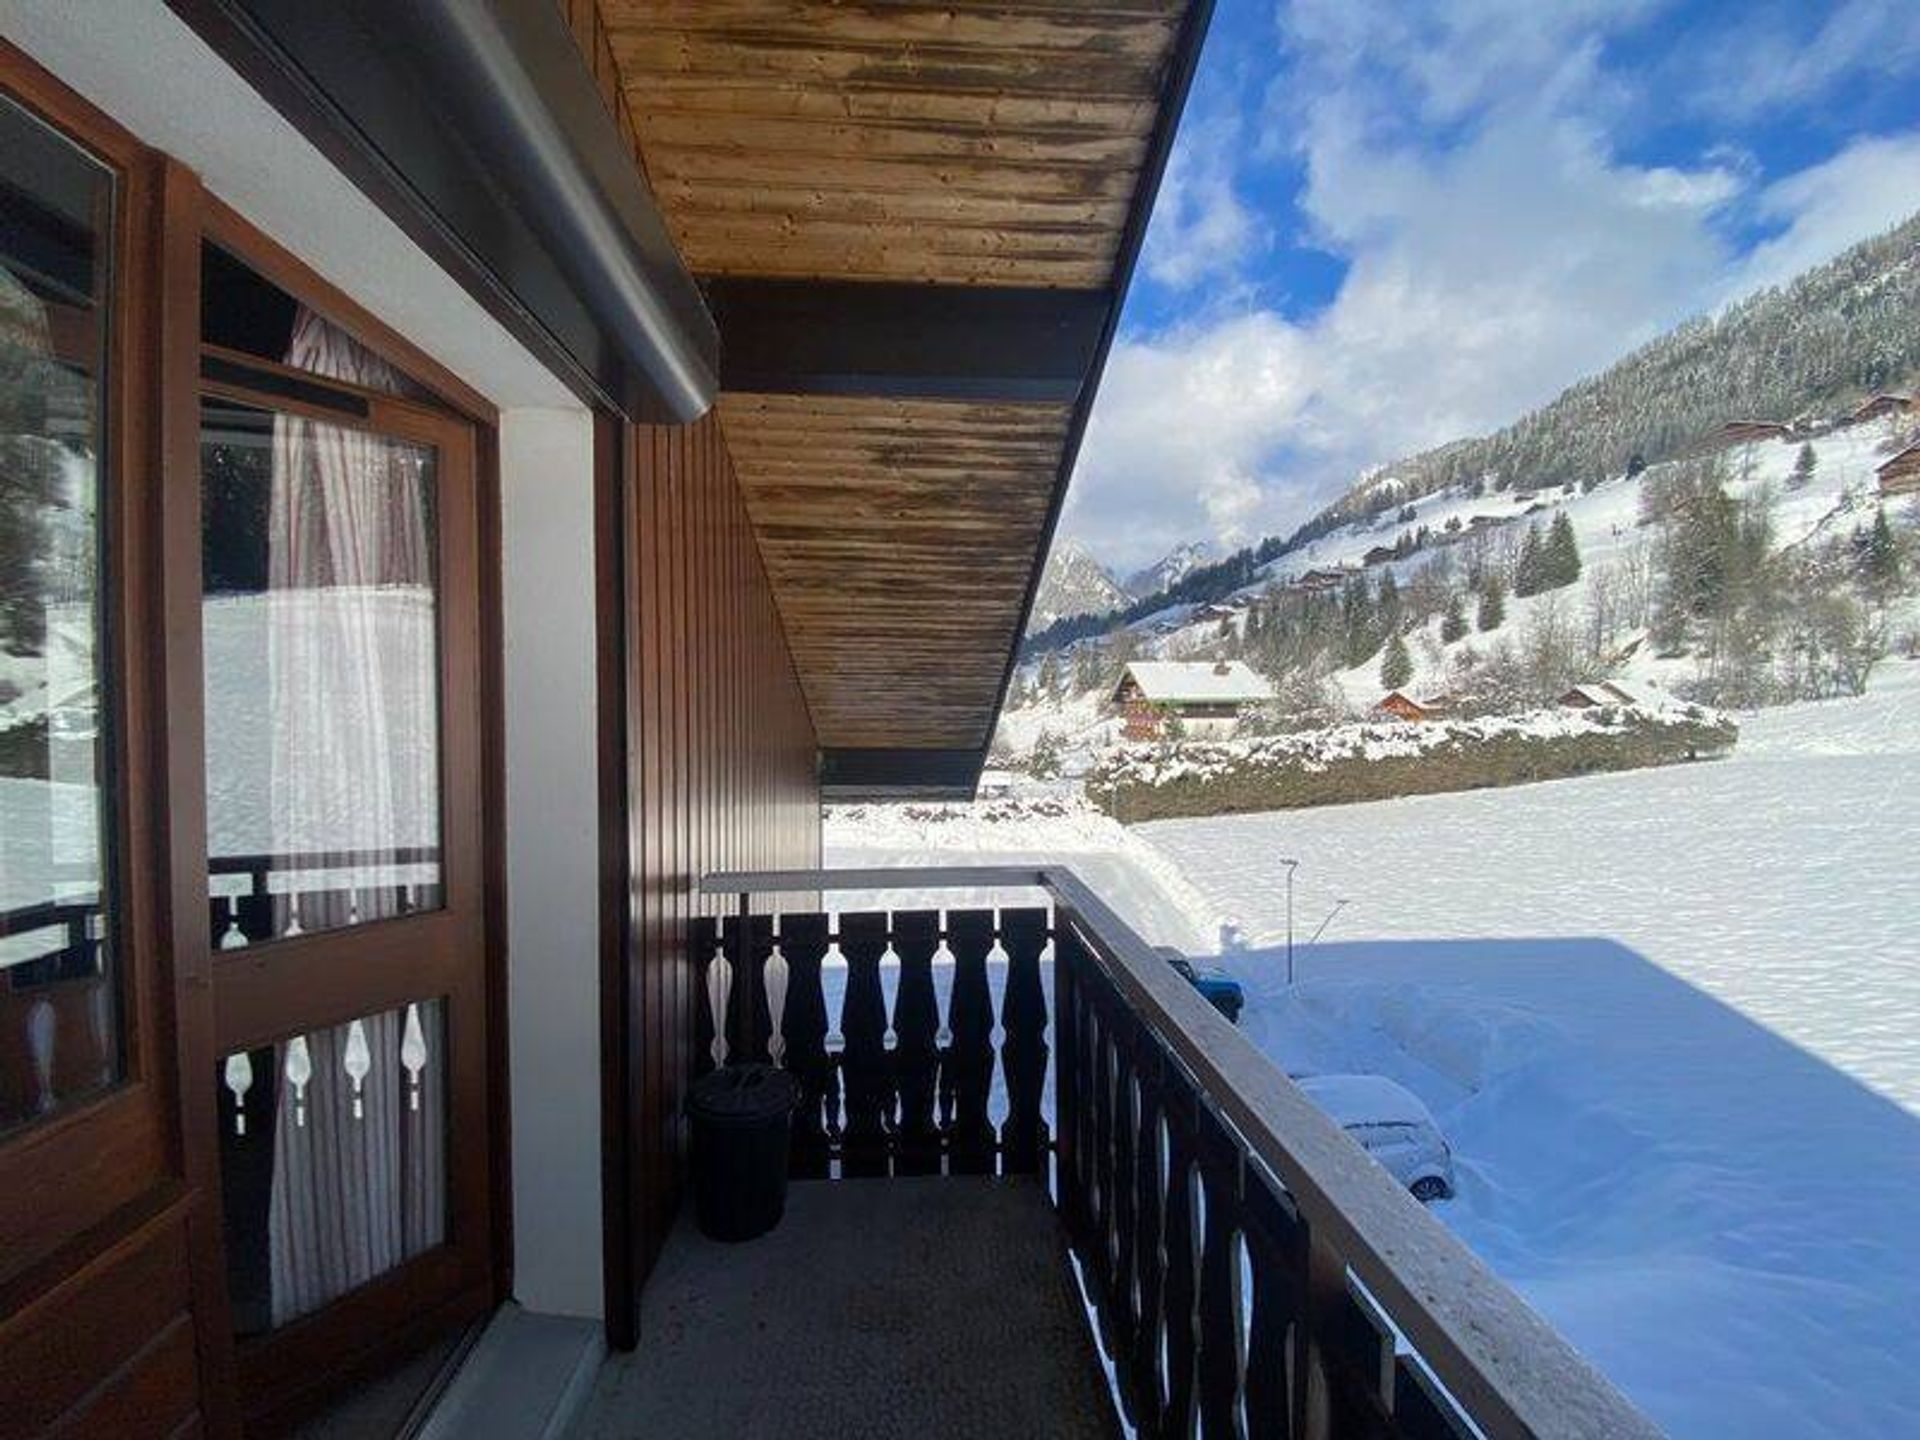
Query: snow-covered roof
{"type": "Point", "coordinates": [1197, 681]}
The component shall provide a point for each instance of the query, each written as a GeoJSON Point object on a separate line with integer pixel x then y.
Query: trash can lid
{"type": "Point", "coordinates": [743, 1094]}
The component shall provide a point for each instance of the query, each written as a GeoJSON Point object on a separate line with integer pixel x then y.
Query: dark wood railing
{"type": "Point", "coordinates": [918, 1087]}
{"type": "Point", "coordinates": [1252, 1271]}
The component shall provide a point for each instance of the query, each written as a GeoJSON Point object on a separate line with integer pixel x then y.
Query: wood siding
{"type": "Point", "coordinates": [899, 534]}
{"type": "Point", "coordinates": [721, 766]}
{"type": "Point", "coordinates": [994, 144]}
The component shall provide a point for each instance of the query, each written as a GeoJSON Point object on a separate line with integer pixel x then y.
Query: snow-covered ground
{"type": "Point", "coordinates": [1670, 1019]}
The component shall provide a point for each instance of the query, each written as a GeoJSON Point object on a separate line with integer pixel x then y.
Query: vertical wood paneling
{"type": "Point", "coordinates": [721, 770]}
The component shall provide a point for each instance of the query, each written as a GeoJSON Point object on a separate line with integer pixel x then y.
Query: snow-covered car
{"type": "Point", "coordinates": [1216, 987]}
{"type": "Point", "coordinates": [1392, 1126]}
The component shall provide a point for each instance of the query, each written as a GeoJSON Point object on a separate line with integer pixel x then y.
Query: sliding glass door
{"type": "Point", "coordinates": [339, 642]}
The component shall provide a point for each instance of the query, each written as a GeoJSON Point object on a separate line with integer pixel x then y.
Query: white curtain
{"type": "Point", "coordinates": [353, 703]}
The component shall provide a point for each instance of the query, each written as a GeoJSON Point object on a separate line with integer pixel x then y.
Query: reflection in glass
{"type": "Point", "coordinates": [322, 704]}
{"type": "Point", "coordinates": [333, 1160]}
{"type": "Point", "coordinates": [59, 996]}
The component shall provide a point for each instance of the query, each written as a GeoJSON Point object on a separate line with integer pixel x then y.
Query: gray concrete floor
{"type": "Point", "coordinates": [916, 1309]}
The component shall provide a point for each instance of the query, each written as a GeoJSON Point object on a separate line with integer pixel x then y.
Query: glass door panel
{"type": "Point", "coordinates": [60, 996]}
{"type": "Point", "coordinates": [321, 655]}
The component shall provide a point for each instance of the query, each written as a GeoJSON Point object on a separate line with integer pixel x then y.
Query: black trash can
{"type": "Point", "coordinates": [742, 1118]}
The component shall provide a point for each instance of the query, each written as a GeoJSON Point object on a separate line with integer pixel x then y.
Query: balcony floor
{"type": "Point", "coordinates": [906, 1308]}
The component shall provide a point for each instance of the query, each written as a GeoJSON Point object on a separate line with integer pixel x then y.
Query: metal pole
{"type": "Point", "coordinates": [1292, 865]}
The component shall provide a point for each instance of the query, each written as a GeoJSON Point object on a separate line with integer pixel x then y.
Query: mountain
{"type": "Point", "coordinates": [1169, 570]}
{"type": "Point", "coordinates": [1074, 583]}
{"type": "Point", "coordinates": [1796, 352]}
{"type": "Point", "coordinates": [1802, 351]}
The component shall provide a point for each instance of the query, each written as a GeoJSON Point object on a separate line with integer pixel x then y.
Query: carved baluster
{"type": "Point", "coordinates": [775, 990]}
{"type": "Point", "coordinates": [970, 1057]}
{"type": "Point", "coordinates": [836, 967]}
{"type": "Point", "coordinates": [413, 1056]}
{"type": "Point", "coordinates": [803, 941]}
{"type": "Point", "coordinates": [357, 1060]}
{"type": "Point", "coordinates": [703, 943]}
{"type": "Point", "coordinates": [1149, 1182]}
{"type": "Point", "coordinates": [1277, 1258]}
{"type": "Point", "coordinates": [1126, 1140]}
{"type": "Point", "coordinates": [865, 1065]}
{"type": "Point", "coordinates": [1219, 1301]}
{"type": "Point", "coordinates": [239, 1079]}
{"type": "Point", "coordinates": [1023, 1022]}
{"type": "Point", "coordinates": [1068, 958]}
{"type": "Point", "coordinates": [299, 1072]}
{"type": "Point", "coordinates": [943, 976]}
{"type": "Point", "coordinates": [916, 1055]}
{"type": "Point", "coordinates": [1182, 1280]}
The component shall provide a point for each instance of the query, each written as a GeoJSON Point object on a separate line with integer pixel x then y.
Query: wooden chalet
{"type": "Point", "coordinates": [1398, 705]}
{"type": "Point", "coordinates": [1597, 694]}
{"type": "Point", "coordinates": [1751, 432]}
{"type": "Point", "coordinates": [1900, 475]}
{"type": "Point", "coordinates": [1874, 407]}
{"type": "Point", "coordinates": [517, 459]}
{"type": "Point", "coordinates": [1379, 555]}
{"type": "Point", "coordinates": [1206, 697]}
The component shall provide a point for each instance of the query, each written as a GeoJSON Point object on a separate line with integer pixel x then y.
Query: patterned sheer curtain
{"type": "Point", "coordinates": [359, 1160]}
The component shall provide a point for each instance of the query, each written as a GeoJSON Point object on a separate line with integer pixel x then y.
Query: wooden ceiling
{"type": "Point", "coordinates": [1013, 145]}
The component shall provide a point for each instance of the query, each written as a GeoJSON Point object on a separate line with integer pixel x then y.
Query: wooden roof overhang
{"type": "Point", "coordinates": [914, 224]}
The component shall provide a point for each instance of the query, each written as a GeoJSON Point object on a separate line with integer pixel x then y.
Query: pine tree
{"type": "Point", "coordinates": [1561, 553]}
{"type": "Point", "coordinates": [1047, 683]}
{"type": "Point", "coordinates": [1453, 620]}
{"type": "Point", "coordinates": [1396, 665]}
{"type": "Point", "coordinates": [1529, 572]}
{"type": "Point", "coordinates": [1493, 605]}
{"type": "Point", "coordinates": [1804, 465]}
{"type": "Point", "coordinates": [1880, 557]}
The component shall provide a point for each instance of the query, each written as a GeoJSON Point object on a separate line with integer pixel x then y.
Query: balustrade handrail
{"type": "Point", "coordinates": [1500, 1360]}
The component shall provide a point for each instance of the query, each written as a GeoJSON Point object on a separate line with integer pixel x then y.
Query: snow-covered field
{"type": "Point", "coordinates": [1669, 1018]}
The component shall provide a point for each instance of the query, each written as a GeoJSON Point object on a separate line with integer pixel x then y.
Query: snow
{"type": "Point", "coordinates": [1665, 1018]}
{"type": "Point", "coordinates": [1365, 1100]}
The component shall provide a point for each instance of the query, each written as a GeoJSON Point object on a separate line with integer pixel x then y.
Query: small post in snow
{"type": "Point", "coordinates": [1292, 865]}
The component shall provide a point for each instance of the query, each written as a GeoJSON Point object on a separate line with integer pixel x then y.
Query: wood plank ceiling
{"type": "Point", "coordinates": [1005, 144]}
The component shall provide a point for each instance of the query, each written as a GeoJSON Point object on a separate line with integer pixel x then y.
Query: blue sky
{"type": "Point", "coordinates": [1390, 223]}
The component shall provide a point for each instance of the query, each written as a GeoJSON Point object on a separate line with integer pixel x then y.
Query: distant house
{"type": "Point", "coordinates": [1379, 555]}
{"type": "Point", "coordinates": [1901, 474]}
{"type": "Point", "coordinates": [1747, 432]}
{"type": "Point", "coordinates": [1874, 406]}
{"type": "Point", "coordinates": [1401, 706]}
{"type": "Point", "coordinates": [1594, 696]}
{"type": "Point", "coordinates": [1315, 581]}
{"type": "Point", "coordinates": [1205, 696]}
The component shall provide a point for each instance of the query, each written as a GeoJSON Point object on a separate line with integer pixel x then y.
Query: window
{"type": "Point", "coordinates": [60, 1000]}
{"type": "Point", "coordinates": [319, 630]}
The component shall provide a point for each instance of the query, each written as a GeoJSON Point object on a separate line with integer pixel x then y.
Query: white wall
{"type": "Point", "coordinates": [553, 971]}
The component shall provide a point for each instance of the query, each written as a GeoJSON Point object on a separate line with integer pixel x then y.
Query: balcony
{"type": "Point", "coordinates": [1041, 1187]}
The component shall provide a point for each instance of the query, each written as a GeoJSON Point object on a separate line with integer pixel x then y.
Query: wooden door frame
{"type": "Point", "coordinates": [113, 1159]}
{"type": "Point", "coordinates": [195, 218]}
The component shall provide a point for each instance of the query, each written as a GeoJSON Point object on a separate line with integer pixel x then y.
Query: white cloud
{"type": "Point", "coordinates": [1497, 249]}
{"type": "Point", "coordinates": [1767, 61]}
{"type": "Point", "coordinates": [1201, 229]}
{"type": "Point", "coordinates": [1868, 187]}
